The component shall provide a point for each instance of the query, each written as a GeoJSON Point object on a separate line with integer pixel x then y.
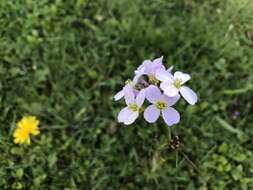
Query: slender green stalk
{"type": "Point", "coordinates": [188, 159]}
{"type": "Point", "coordinates": [166, 131]}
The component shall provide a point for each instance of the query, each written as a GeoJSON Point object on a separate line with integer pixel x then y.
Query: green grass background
{"type": "Point", "coordinates": [63, 61]}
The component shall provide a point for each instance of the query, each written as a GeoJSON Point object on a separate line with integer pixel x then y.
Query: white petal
{"type": "Point", "coordinates": [132, 117]}
{"type": "Point", "coordinates": [189, 95]}
{"type": "Point", "coordinates": [170, 69]}
{"type": "Point", "coordinates": [169, 89]}
{"type": "Point", "coordinates": [119, 95]}
{"type": "Point", "coordinates": [164, 76]}
{"type": "Point", "coordinates": [124, 114]}
{"type": "Point", "coordinates": [184, 77]}
{"type": "Point", "coordinates": [140, 98]}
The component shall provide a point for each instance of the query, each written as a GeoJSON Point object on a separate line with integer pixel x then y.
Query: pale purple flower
{"type": "Point", "coordinates": [128, 88]}
{"type": "Point", "coordinates": [130, 113]}
{"type": "Point", "coordinates": [160, 87]}
{"type": "Point", "coordinates": [161, 104]}
{"type": "Point", "coordinates": [149, 68]}
{"type": "Point", "coordinates": [173, 84]}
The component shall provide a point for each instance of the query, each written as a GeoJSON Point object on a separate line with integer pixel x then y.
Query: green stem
{"type": "Point", "coordinates": [166, 131]}
{"type": "Point", "coordinates": [176, 159]}
{"type": "Point", "coordinates": [192, 164]}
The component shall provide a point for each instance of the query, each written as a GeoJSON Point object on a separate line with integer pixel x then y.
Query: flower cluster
{"type": "Point", "coordinates": [162, 89]}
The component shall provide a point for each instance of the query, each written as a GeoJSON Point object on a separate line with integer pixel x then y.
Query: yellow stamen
{"type": "Point", "coordinates": [160, 105]}
{"type": "Point", "coordinates": [177, 83]}
{"type": "Point", "coordinates": [153, 80]}
{"type": "Point", "coordinates": [133, 107]}
{"type": "Point", "coordinates": [128, 81]}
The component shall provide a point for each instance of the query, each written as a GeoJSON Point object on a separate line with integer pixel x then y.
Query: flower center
{"type": "Point", "coordinates": [177, 83]}
{"type": "Point", "coordinates": [133, 107]}
{"type": "Point", "coordinates": [160, 105]}
{"type": "Point", "coordinates": [153, 80]}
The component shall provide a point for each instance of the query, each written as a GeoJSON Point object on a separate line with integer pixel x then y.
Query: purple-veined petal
{"type": "Point", "coordinates": [170, 116]}
{"type": "Point", "coordinates": [140, 98]}
{"type": "Point", "coordinates": [184, 77]}
{"type": "Point", "coordinates": [169, 89]}
{"type": "Point", "coordinates": [132, 117]}
{"type": "Point", "coordinates": [153, 93]}
{"type": "Point", "coordinates": [119, 95]}
{"type": "Point", "coordinates": [170, 101]}
{"type": "Point", "coordinates": [189, 95]}
{"type": "Point", "coordinates": [151, 114]}
{"type": "Point", "coordinates": [164, 76]}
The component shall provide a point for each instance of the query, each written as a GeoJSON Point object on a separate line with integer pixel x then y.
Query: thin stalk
{"type": "Point", "coordinates": [188, 159]}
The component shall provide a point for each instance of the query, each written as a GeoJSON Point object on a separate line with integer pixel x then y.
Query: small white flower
{"type": "Point", "coordinates": [173, 84]}
{"type": "Point", "coordinates": [129, 87]}
{"type": "Point", "coordinates": [130, 113]}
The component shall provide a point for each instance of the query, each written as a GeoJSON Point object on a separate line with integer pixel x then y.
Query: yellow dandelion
{"type": "Point", "coordinates": [27, 126]}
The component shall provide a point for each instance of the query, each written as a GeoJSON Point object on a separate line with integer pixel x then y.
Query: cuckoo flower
{"type": "Point", "coordinates": [149, 68]}
{"type": "Point", "coordinates": [161, 104]}
{"type": "Point", "coordinates": [173, 84]}
{"type": "Point", "coordinates": [130, 113]}
{"type": "Point", "coordinates": [128, 88]}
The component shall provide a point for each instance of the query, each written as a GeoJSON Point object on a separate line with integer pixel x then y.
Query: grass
{"type": "Point", "coordinates": [64, 60]}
